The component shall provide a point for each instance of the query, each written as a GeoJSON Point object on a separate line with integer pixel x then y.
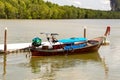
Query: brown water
{"type": "Point", "coordinates": [101, 65]}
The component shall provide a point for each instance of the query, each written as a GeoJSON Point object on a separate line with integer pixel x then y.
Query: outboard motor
{"type": "Point", "coordinates": [36, 42]}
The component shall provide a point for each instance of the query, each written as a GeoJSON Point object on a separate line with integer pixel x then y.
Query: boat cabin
{"type": "Point", "coordinates": [66, 44]}
{"type": "Point", "coordinates": [73, 43]}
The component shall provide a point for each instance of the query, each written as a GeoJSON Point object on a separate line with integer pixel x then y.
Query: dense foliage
{"type": "Point", "coordinates": [38, 9]}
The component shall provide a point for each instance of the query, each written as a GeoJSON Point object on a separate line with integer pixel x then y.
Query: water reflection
{"type": "Point", "coordinates": [4, 66]}
{"type": "Point", "coordinates": [106, 69]}
{"type": "Point", "coordinates": [54, 67]}
{"type": "Point", "coordinates": [48, 66]}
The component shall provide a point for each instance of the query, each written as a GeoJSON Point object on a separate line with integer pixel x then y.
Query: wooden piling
{"type": "Point", "coordinates": [5, 40]}
{"type": "Point", "coordinates": [85, 31]}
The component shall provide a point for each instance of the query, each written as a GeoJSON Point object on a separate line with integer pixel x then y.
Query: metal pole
{"type": "Point", "coordinates": [5, 40]}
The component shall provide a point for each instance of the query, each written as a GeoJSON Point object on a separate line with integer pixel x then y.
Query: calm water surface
{"type": "Point", "coordinates": [101, 65]}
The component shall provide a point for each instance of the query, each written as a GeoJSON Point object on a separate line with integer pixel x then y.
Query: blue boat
{"type": "Point", "coordinates": [74, 45]}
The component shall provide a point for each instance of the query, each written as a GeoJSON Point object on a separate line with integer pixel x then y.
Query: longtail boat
{"type": "Point", "coordinates": [68, 46]}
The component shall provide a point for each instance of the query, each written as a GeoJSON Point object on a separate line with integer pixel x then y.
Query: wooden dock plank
{"type": "Point", "coordinates": [14, 47]}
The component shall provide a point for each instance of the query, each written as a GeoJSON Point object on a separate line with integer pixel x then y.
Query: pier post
{"type": "Point", "coordinates": [85, 31]}
{"type": "Point", "coordinates": [5, 40]}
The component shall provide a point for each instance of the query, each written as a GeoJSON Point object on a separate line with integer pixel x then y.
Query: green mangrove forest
{"type": "Point", "coordinates": [39, 9]}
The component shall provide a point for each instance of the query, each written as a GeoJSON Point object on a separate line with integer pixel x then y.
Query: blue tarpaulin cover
{"type": "Point", "coordinates": [72, 40]}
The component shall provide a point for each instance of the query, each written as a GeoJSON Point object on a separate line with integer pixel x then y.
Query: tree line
{"type": "Point", "coordinates": [39, 9]}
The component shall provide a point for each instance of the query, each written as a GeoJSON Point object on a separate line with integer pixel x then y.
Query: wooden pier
{"type": "Point", "coordinates": [16, 47]}
{"type": "Point", "coordinates": [12, 48]}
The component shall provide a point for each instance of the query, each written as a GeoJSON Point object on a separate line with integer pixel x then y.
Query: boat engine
{"type": "Point", "coordinates": [36, 42]}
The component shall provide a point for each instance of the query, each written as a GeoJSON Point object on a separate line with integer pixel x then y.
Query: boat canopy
{"type": "Point", "coordinates": [72, 40]}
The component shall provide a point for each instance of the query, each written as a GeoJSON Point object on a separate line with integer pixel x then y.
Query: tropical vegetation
{"type": "Point", "coordinates": [39, 9]}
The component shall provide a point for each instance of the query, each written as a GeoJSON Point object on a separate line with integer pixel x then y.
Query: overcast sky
{"type": "Point", "coordinates": [89, 4]}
